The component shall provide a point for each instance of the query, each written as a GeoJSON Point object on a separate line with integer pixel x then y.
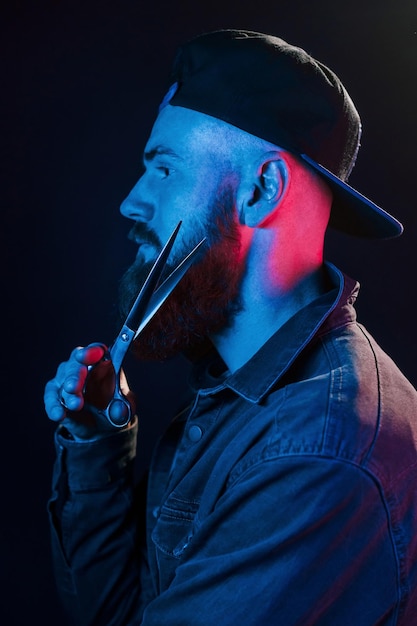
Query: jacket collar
{"type": "Point", "coordinates": [254, 380]}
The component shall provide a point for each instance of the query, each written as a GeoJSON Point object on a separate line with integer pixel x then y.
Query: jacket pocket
{"type": "Point", "coordinates": [174, 527]}
{"type": "Point", "coordinates": [171, 535]}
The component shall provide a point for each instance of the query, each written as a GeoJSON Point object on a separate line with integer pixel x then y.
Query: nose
{"type": "Point", "coordinates": [135, 206]}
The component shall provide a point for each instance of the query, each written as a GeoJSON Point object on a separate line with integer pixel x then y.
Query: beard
{"type": "Point", "coordinates": [206, 298]}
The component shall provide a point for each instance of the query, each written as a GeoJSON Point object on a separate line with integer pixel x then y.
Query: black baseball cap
{"type": "Point", "coordinates": [278, 92]}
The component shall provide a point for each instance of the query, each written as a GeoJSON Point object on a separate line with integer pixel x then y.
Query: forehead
{"type": "Point", "coordinates": [188, 133]}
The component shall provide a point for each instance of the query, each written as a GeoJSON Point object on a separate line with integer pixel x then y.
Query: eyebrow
{"type": "Point", "coordinates": [160, 150]}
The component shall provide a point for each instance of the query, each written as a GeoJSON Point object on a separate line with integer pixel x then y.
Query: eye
{"type": "Point", "coordinates": [165, 171]}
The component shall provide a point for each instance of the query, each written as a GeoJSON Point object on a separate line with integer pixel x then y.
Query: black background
{"type": "Point", "coordinates": [80, 86]}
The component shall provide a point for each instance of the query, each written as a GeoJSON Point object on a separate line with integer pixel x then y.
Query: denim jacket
{"type": "Point", "coordinates": [285, 495]}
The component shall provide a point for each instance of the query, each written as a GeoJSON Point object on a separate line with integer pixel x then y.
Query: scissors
{"type": "Point", "coordinates": [150, 298]}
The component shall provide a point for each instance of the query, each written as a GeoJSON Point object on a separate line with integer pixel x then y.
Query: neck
{"type": "Point", "coordinates": [261, 315]}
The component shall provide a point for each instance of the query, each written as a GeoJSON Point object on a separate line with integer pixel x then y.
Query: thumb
{"type": "Point", "coordinates": [91, 354]}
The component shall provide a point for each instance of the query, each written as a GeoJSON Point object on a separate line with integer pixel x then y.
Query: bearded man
{"type": "Point", "coordinates": [285, 493]}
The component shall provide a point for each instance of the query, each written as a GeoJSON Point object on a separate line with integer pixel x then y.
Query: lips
{"type": "Point", "coordinates": [146, 252]}
{"type": "Point", "coordinates": [147, 242]}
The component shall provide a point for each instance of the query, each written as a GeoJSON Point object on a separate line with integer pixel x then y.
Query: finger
{"type": "Point", "coordinates": [67, 387]}
{"type": "Point", "coordinates": [91, 354]}
{"type": "Point", "coordinates": [71, 376]}
{"type": "Point", "coordinates": [53, 407]}
{"type": "Point", "coordinates": [126, 391]}
{"type": "Point", "coordinates": [72, 402]}
{"type": "Point", "coordinates": [72, 387]}
{"type": "Point", "coordinates": [74, 380]}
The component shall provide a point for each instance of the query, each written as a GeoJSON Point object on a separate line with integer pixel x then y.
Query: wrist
{"type": "Point", "coordinates": [83, 434]}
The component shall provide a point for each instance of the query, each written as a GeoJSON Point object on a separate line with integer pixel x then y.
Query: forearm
{"type": "Point", "coordinates": [96, 529]}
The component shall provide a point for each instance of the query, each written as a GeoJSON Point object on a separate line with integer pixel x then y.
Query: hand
{"type": "Point", "coordinates": [83, 383]}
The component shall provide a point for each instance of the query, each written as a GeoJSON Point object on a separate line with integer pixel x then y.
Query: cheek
{"type": "Point", "coordinates": [246, 236]}
{"type": "Point", "coordinates": [186, 205]}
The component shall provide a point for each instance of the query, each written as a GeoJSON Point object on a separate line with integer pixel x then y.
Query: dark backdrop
{"type": "Point", "coordinates": [80, 85]}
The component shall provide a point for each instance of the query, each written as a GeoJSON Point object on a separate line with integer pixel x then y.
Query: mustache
{"type": "Point", "coordinates": [141, 233]}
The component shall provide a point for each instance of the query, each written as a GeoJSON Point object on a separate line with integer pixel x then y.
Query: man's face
{"type": "Point", "coordinates": [185, 178]}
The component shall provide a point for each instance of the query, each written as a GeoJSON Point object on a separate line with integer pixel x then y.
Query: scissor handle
{"type": "Point", "coordinates": [118, 412]}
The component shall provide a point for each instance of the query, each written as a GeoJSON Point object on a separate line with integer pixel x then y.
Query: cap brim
{"type": "Point", "coordinates": [353, 213]}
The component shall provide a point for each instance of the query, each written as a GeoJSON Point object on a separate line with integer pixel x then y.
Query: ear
{"type": "Point", "coordinates": [264, 192]}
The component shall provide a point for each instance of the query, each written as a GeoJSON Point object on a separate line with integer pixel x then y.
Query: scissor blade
{"type": "Point", "coordinates": [162, 293]}
{"type": "Point", "coordinates": [138, 309]}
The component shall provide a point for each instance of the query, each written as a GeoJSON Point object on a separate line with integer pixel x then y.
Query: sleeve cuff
{"type": "Point", "coordinates": [95, 464]}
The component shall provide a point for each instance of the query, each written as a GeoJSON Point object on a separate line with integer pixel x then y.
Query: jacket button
{"type": "Point", "coordinates": [195, 433]}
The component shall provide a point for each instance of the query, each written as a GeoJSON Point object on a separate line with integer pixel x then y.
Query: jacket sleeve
{"type": "Point", "coordinates": [96, 519]}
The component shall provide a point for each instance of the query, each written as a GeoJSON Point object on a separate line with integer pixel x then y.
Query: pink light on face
{"type": "Point", "coordinates": [246, 236]}
{"type": "Point", "coordinates": [295, 238]}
